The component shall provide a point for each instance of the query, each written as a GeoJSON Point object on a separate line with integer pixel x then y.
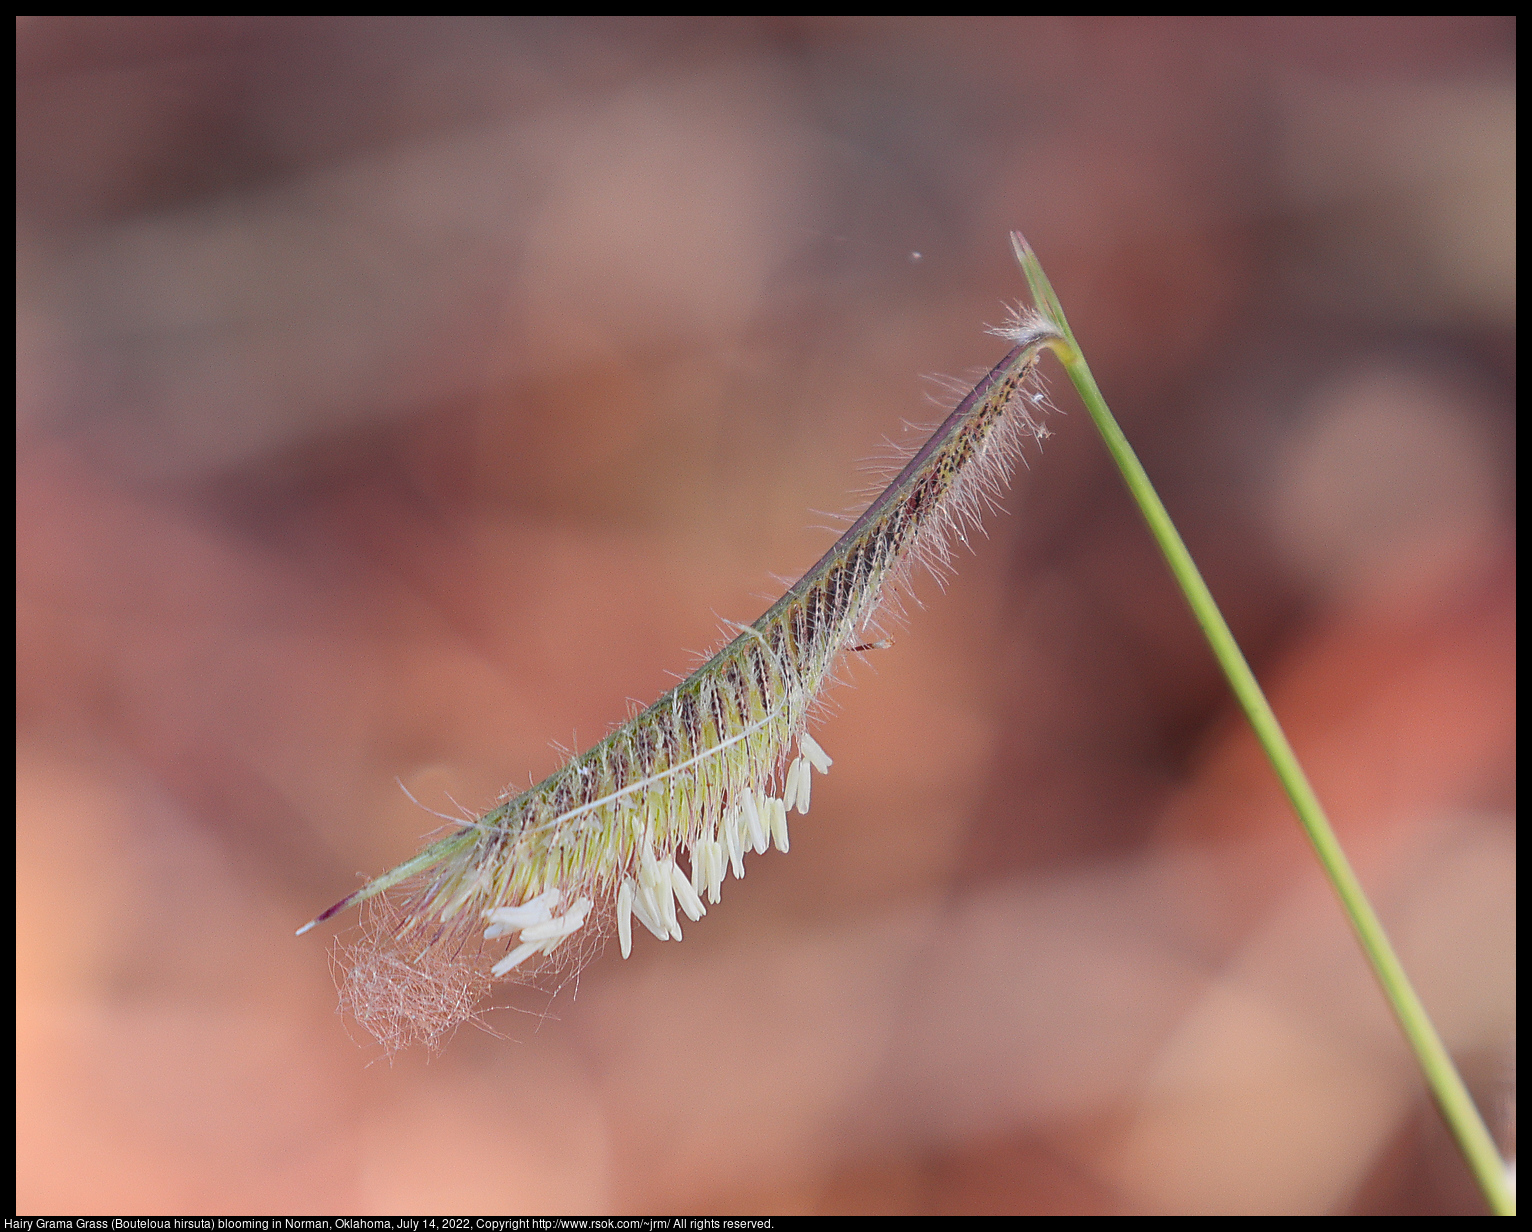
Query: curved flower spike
{"type": "Point", "coordinates": [691, 777]}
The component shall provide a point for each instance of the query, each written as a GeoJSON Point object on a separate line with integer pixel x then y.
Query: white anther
{"type": "Point", "coordinates": [685, 895]}
{"type": "Point", "coordinates": [625, 916]}
{"type": "Point", "coordinates": [809, 747]}
{"type": "Point", "coordinates": [702, 867]}
{"type": "Point", "coordinates": [734, 822]}
{"type": "Point", "coordinates": [804, 780]}
{"type": "Point", "coordinates": [515, 958]}
{"type": "Point", "coordinates": [537, 910]}
{"type": "Point", "coordinates": [757, 827]}
{"type": "Point", "coordinates": [794, 773]}
{"type": "Point", "coordinates": [716, 870]}
{"type": "Point", "coordinates": [647, 911]}
{"type": "Point", "coordinates": [544, 903]}
{"type": "Point", "coordinates": [648, 905]}
{"type": "Point", "coordinates": [665, 891]}
{"type": "Point", "coordinates": [559, 927]}
{"type": "Point", "coordinates": [762, 835]}
{"type": "Point", "coordinates": [779, 826]}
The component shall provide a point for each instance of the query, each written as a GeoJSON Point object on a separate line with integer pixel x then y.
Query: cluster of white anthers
{"type": "Point", "coordinates": [749, 824]}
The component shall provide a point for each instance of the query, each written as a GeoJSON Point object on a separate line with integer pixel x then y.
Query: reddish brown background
{"type": "Point", "coordinates": [397, 396]}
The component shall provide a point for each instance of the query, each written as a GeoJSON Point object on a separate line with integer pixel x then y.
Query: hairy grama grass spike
{"type": "Point", "coordinates": [694, 773]}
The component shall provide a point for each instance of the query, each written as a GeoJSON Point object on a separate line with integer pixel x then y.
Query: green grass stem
{"type": "Point", "coordinates": [1441, 1074]}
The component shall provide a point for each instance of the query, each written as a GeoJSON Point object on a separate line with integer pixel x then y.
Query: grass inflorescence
{"type": "Point", "coordinates": [649, 822]}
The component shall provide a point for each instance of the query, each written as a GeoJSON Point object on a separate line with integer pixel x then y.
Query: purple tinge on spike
{"type": "Point", "coordinates": [328, 912]}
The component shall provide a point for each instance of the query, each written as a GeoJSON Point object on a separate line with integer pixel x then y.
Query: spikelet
{"type": "Point", "coordinates": [695, 774]}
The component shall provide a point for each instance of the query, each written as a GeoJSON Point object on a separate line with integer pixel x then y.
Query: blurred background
{"type": "Point", "coordinates": [399, 396]}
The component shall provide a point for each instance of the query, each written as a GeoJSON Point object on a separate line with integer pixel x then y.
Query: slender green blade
{"type": "Point", "coordinates": [1441, 1074]}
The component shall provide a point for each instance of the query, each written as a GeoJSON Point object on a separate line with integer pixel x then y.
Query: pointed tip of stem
{"type": "Point", "coordinates": [330, 911]}
{"type": "Point", "coordinates": [1043, 298]}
